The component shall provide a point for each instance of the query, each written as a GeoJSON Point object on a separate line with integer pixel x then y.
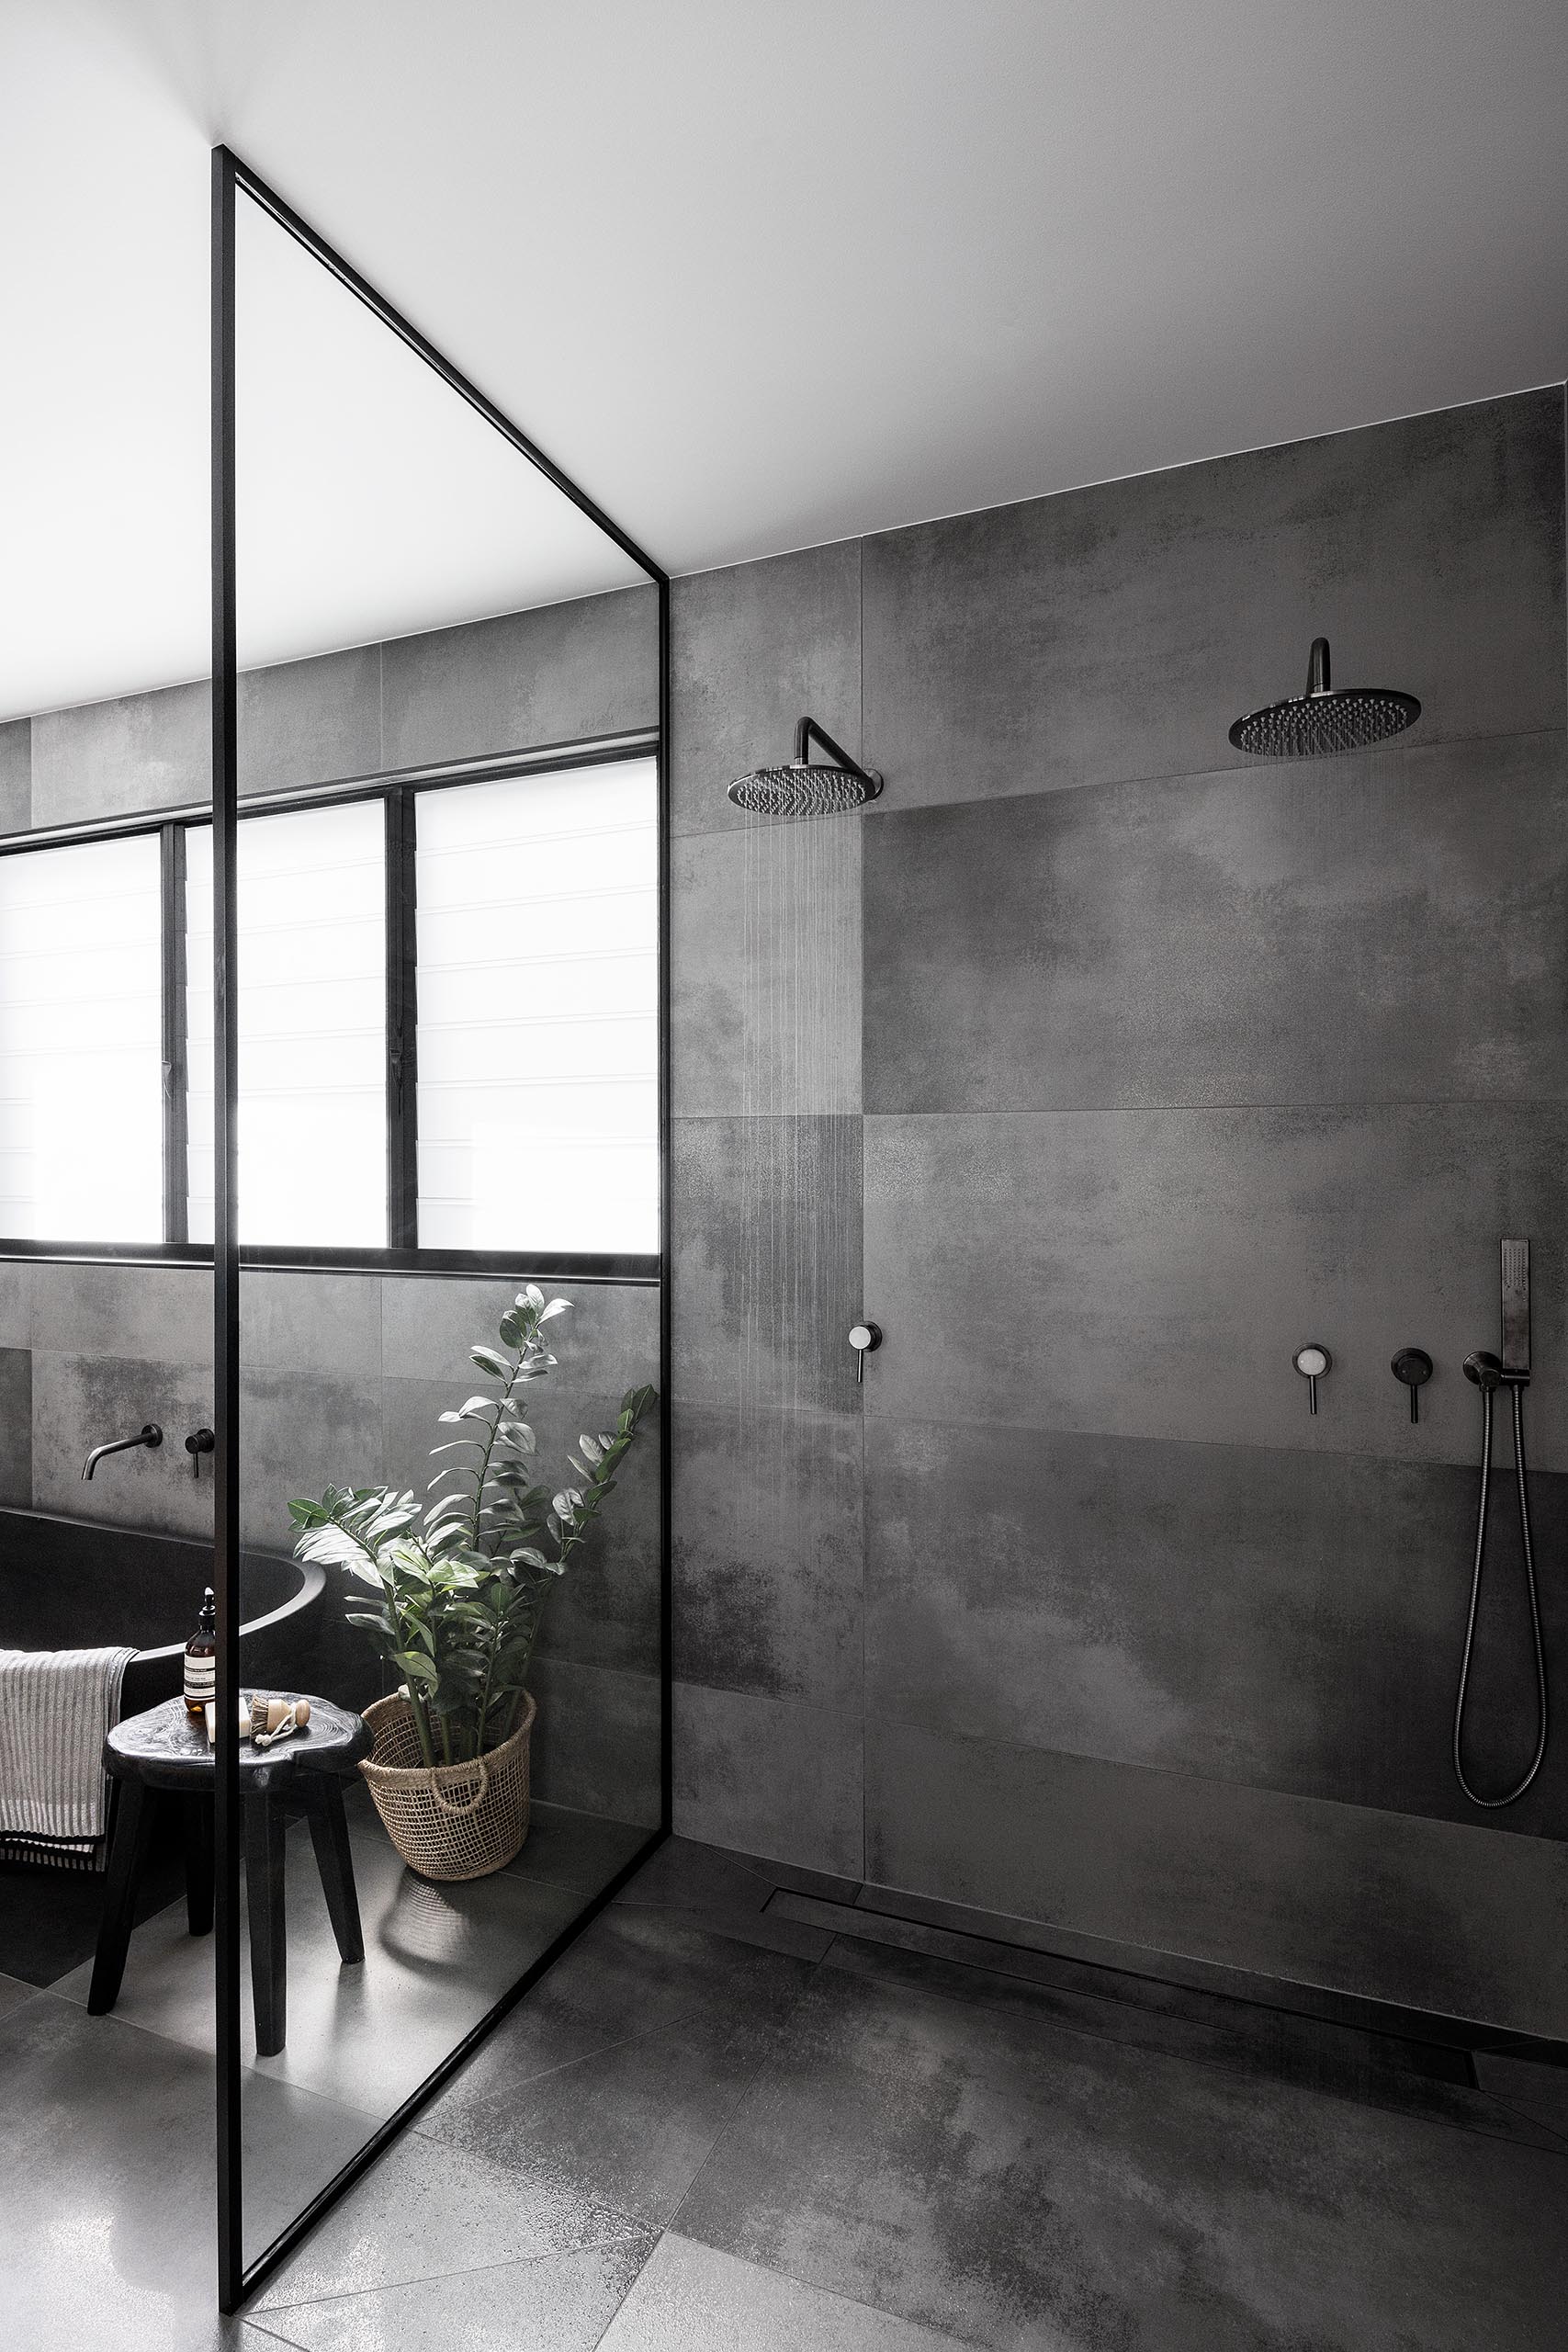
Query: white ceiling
{"type": "Point", "coordinates": [759, 272]}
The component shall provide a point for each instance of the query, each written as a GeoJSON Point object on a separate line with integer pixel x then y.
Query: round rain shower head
{"type": "Point", "coordinates": [1321, 722]}
{"type": "Point", "coordinates": [800, 788]}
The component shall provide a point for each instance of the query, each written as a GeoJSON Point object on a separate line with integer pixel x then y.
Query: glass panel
{"type": "Point", "coordinates": [538, 1012]}
{"type": "Point", "coordinates": [81, 1043]}
{"type": "Point", "coordinates": [413, 593]}
{"type": "Point", "coordinates": [312, 997]}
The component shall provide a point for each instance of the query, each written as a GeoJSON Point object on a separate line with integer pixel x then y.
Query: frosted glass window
{"type": "Point", "coordinates": [313, 1012]}
{"type": "Point", "coordinates": [82, 1044]}
{"type": "Point", "coordinates": [538, 1015]}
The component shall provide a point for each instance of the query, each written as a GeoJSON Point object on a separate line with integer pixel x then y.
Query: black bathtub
{"type": "Point", "coordinates": [69, 1584]}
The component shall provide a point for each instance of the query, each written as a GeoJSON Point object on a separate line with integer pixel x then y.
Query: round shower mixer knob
{"type": "Point", "coordinates": [865, 1338]}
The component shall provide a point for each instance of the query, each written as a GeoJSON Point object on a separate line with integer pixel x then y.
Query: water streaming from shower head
{"type": "Point", "coordinates": [1321, 721]}
{"type": "Point", "coordinates": [805, 787]}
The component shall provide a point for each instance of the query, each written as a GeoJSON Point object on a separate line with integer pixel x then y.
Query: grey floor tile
{"type": "Point", "coordinates": [1267, 2044]}
{"type": "Point", "coordinates": [629, 2122]}
{"type": "Point", "coordinates": [725, 1894]}
{"type": "Point", "coordinates": [691, 2297]}
{"type": "Point", "coordinates": [13, 1993]}
{"type": "Point", "coordinates": [106, 2223]}
{"type": "Point", "coordinates": [631, 1973]}
{"type": "Point", "coordinates": [1528, 2086]}
{"type": "Point", "coordinates": [698, 1877]}
{"type": "Point", "coordinates": [1021, 2187]}
{"type": "Point", "coordinates": [560, 2300]}
{"type": "Point", "coordinates": [425, 2211]}
{"type": "Point", "coordinates": [578, 1849]}
{"type": "Point", "coordinates": [437, 1958]}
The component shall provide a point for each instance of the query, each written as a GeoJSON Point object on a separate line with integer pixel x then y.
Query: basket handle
{"type": "Point", "coordinates": [470, 1804]}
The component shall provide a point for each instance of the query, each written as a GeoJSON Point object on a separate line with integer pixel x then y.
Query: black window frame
{"type": "Point", "coordinates": [397, 792]}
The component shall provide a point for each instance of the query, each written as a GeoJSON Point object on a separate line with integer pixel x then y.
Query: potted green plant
{"type": "Point", "coordinates": [457, 1593]}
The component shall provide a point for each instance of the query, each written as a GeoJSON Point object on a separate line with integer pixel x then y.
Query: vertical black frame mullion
{"type": "Point", "coordinates": [402, 1025]}
{"type": "Point", "coordinates": [665, 1523]}
{"type": "Point", "coordinates": [225, 1244]}
{"type": "Point", "coordinates": [176, 1123]}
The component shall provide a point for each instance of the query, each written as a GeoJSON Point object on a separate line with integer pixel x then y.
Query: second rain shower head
{"type": "Point", "coordinates": [1321, 721]}
{"type": "Point", "coordinates": [805, 787]}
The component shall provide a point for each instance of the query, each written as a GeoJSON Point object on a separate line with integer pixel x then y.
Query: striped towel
{"type": "Point", "coordinates": [55, 1707]}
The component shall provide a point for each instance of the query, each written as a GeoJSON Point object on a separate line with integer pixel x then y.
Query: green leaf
{"type": "Point", "coordinates": [488, 1359]}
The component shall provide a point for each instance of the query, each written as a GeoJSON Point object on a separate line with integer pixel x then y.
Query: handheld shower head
{"type": "Point", "coordinates": [803, 787]}
{"type": "Point", "coordinates": [1322, 721]}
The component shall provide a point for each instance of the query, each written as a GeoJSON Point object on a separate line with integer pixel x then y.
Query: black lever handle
{"type": "Point", "coordinates": [1414, 1367]}
{"type": "Point", "coordinates": [200, 1441]}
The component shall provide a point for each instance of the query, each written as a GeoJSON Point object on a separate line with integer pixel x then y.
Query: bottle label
{"type": "Point", "coordinates": [201, 1681]}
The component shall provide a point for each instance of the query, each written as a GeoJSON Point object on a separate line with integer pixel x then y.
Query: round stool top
{"type": "Point", "coordinates": [167, 1748]}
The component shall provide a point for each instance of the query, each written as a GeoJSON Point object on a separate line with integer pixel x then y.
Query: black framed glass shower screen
{"type": "Point", "coordinates": [244, 2258]}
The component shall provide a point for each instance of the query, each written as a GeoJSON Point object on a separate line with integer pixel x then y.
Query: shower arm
{"type": "Point", "coordinates": [807, 730]}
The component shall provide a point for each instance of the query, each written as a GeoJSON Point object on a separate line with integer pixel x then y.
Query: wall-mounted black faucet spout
{"type": "Point", "coordinates": [150, 1435]}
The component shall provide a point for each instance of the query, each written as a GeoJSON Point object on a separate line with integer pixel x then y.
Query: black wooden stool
{"type": "Point", "coordinates": [166, 1750]}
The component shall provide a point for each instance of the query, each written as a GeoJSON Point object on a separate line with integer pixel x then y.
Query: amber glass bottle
{"type": "Point", "coordinates": [201, 1659]}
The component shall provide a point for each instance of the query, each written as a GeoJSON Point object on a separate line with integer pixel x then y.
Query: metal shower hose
{"type": "Point", "coordinates": [1512, 1794]}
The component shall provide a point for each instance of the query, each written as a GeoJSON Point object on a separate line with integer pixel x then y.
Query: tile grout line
{"type": "Point", "coordinates": [769, 2057]}
{"type": "Point", "coordinates": [628, 2237]}
{"type": "Point", "coordinates": [527, 2082]}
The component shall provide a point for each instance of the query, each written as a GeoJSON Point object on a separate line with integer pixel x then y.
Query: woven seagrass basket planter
{"type": "Point", "coordinates": [447, 1821]}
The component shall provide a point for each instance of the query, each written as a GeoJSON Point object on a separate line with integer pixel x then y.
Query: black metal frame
{"type": "Point", "coordinates": [236, 2278]}
{"type": "Point", "coordinates": [401, 1252]}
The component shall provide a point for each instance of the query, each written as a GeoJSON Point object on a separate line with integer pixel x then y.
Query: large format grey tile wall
{"type": "Point", "coordinates": [514, 683]}
{"type": "Point", "coordinates": [766, 1241]}
{"type": "Point", "coordinates": [1165, 1063]}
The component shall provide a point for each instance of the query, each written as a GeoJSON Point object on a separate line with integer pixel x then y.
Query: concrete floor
{"type": "Point", "coordinates": [739, 2115]}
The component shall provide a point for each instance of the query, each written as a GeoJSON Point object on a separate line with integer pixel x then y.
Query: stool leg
{"type": "Point", "coordinates": [128, 1852]}
{"type": "Point", "coordinates": [264, 1894]}
{"type": "Point", "coordinates": [199, 1864]}
{"type": "Point", "coordinates": [335, 1859]}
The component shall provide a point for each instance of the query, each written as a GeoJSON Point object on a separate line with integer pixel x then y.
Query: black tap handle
{"type": "Point", "coordinates": [1414, 1367]}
